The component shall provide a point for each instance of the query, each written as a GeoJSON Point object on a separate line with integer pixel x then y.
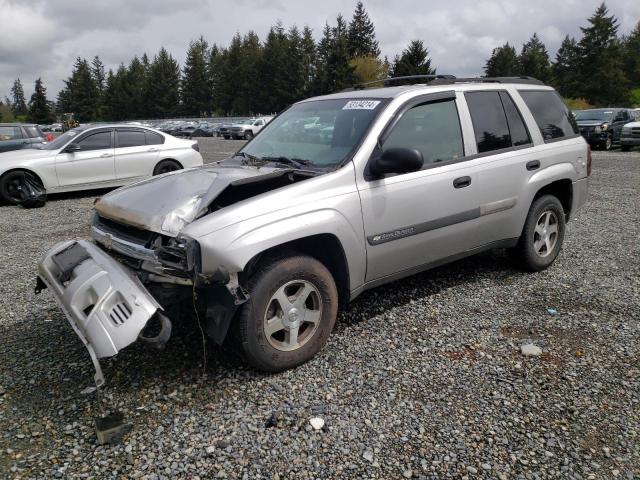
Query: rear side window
{"type": "Point", "coordinates": [32, 132]}
{"type": "Point", "coordinates": [153, 138]}
{"type": "Point", "coordinates": [517, 128]}
{"type": "Point", "coordinates": [130, 138]}
{"type": "Point", "coordinates": [432, 128]}
{"type": "Point", "coordinates": [489, 121]}
{"type": "Point", "coordinates": [10, 133]}
{"type": "Point", "coordinates": [552, 116]}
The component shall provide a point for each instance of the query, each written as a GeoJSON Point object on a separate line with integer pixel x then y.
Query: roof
{"type": "Point", "coordinates": [18, 124]}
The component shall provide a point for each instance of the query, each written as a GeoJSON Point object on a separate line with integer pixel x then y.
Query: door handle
{"type": "Point", "coordinates": [105, 155]}
{"type": "Point", "coordinates": [533, 165]}
{"type": "Point", "coordinates": [462, 182]}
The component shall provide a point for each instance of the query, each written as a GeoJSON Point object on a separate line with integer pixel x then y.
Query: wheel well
{"type": "Point", "coordinates": [562, 190]}
{"type": "Point", "coordinates": [325, 248]}
{"type": "Point", "coordinates": [171, 160]}
{"type": "Point", "coordinates": [26, 170]}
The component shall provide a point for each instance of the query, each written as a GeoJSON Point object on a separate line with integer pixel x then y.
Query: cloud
{"type": "Point", "coordinates": [42, 38]}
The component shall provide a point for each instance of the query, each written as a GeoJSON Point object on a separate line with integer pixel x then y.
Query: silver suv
{"type": "Point", "coordinates": [268, 244]}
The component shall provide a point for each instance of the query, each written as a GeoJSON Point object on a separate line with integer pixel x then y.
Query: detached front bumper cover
{"type": "Point", "coordinates": [105, 303]}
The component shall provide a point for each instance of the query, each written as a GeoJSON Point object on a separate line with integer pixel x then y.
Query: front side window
{"type": "Point", "coordinates": [130, 138]}
{"type": "Point", "coordinates": [489, 121]}
{"type": "Point", "coordinates": [433, 128]}
{"type": "Point", "coordinates": [96, 141]}
{"type": "Point", "coordinates": [317, 134]}
{"type": "Point", "coordinates": [10, 133]}
{"type": "Point", "coordinates": [552, 116]}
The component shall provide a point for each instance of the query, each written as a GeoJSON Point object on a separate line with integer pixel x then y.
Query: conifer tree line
{"type": "Point", "coordinates": [601, 67]}
{"type": "Point", "coordinates": [253, 75]}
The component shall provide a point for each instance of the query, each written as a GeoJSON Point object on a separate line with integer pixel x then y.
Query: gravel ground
{"type": "Point", "coordinates": [423, 378]}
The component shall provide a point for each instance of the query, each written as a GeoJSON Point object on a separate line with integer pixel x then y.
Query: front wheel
{"type": "Point", "coordinates": [166, 166]}
{"type": "Point", "coordinates": [248, 135]}
{"type": "Point", "coordinates": [18, 186]}
{"type": "Point", "coordinates": [542, 235]}
{"type": "Point", "coordinates": [291, 311]}
{"type": "Point", "coordinates": [608, 143]}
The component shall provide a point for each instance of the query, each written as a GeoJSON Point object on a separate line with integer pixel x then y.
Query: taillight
{"type": "Point", "coordinates": [588, 160]}
{"type": "Point", "coordinates": [195, 146]}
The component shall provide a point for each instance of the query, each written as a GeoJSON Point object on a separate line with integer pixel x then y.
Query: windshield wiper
{"type": "Point", "coordinates": [248, 159]}
{"type": "Point", "coordinates": [294, 162]}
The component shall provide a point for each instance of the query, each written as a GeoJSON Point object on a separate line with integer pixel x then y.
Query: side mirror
{"type": "Point", "coordinates": [72, 147]}
{"type": "Point", "coordinates": [397, 160]}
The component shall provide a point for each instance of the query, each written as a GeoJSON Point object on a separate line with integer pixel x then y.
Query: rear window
{"type": "Point", "coordinates": [489, 121]}
{"type": "Point", "coordinates": [552, 116]}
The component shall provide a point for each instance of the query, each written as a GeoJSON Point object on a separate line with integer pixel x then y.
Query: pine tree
{"type": "Point", "coordinates": [215, 66]}
{"type": "Point", "coordinates": [227, 65]}
{"type": "Point", "coordinates": [534, 60]}
{"type": "Point", "coordinates": [161, 93]}
{"type": "Point", "coordinates": [503, 62]}
{"type": "Point", "coordinates": [321, 81]}
{"type": "Point", "coordinates": [631, 48]}
{"type": "Point", "coordinates": [97, 70]}
{"type": "Point", "coordinates": [565, 68]}
{"type": "Point", "coordinates": [308, 51]}
{"type": "Point", "coordinates": [196, 92]}
{"type": "Point", "coordinates": [135, 83]}
{"type": "Point", "coordinates": [602, 78]}
{"type": "Point", "coordinates": [248, 82]}
{"type": "Point", "coordinates": [361, 36]}
{"type": "Point", "coordinates": [80, 94]}
{"type": "Point", "coordinates": [339, 73]}
{"type": "Point", "coordinates": [39, 110]}
{"type": "Point", "coordinates": [414, 60]}
{"type": "Point", "coordinates": [116, 95]}
{"type": "Point", "coordinates": [19, 105]}
{"type": "Point", "coordinates": [273, 70]}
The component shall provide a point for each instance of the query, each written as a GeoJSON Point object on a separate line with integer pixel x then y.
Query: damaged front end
{"type": "Point", "coordinates": [114, 290]}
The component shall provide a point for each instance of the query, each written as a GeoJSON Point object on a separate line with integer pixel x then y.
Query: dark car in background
{"type": "Point", "coordinates": [601, 127]}
{"type": "Point", "coordinates": [15, 136]}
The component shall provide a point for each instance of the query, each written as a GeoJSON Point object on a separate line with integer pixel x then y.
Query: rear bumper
{"type": "Point", "coordinates": [580, 193]}
{"type": "Point", "coordinates": [104, 302]}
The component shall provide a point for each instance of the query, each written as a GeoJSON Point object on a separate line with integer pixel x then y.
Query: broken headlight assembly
{"type": "Point", "coordinates": [180, 256]}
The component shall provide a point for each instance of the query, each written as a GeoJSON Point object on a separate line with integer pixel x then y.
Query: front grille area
{"type": "Point", "coordinates": [121, 230]}
{"type": "Point", "coordinates": [586, 131]}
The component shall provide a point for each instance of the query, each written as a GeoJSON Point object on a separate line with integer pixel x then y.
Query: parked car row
{"type": "Point", "coordinates": [605, 128]}
{"type": "Point", "coordinates": [243, 129]}
{"type": "Point", "coordinates": [91, 156]}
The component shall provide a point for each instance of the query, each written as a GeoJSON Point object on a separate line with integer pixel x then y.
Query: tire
{"type": "Point", "coordinates": [227, 137]}
{"type": "Point", "coordinates": [263, 326]}
{"type": "Point", "coordinates": [625, 148]}
{"type": "Point", "coordinates": [608, 143]}
{"type": "Point", "coordinates": [248, 135]}
{"type": "Point", "coordinates": [12, 186]}
{"type": "Point", "coordinates": [166, 166]}
{"type": "Point", "coordinates": [532, 251]}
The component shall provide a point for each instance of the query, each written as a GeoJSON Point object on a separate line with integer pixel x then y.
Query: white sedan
{"type": "Point", "coordinates": [96, 156]}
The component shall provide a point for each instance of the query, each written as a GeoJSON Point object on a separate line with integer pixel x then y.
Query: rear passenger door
{"type": "Point", "coordinates": [504, 145]}
{"type": "Point", "coordinates": [134, 157]}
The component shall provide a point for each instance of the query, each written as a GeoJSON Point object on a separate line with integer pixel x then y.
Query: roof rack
{"type": "Point", "coordinates": [447, 80]}
{"type": "Point", "coordinates": [386, 81]}
{"type": "Point", "coordinates": [521, 79]}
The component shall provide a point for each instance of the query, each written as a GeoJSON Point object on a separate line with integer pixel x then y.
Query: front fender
{"type": "Point", "coordinates": [250, 238]}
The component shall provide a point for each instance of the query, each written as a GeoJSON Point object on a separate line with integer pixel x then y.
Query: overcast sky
{"type": "Point", "coordinates": [41, 38]}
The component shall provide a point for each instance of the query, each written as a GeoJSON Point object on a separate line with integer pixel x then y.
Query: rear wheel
{"type": "Point", "coordinates": [542, 235]}
{"type": "Point", "coordinates": [13, 184]}
{"type": "Point", "coordinates": [166, 166]}
{"type": "Point", "coordinates": [291, 311]}
{"type": "Point", "coordinates": [248, 135]}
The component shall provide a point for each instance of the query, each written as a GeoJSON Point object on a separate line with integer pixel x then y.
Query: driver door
{"type": "Point", "coordinates": [92, 164]}
{"type": "Point", "coordinates": [416, 219]}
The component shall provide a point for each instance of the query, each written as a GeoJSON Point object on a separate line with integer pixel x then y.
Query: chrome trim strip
{"type": "Point", "coordinates": [130, 249]}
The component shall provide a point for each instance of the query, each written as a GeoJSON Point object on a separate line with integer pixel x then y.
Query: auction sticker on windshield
{"type": "Point", "coordinates": [361, 105]}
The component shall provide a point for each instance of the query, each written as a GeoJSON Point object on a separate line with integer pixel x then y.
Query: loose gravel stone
{"type": "Point", "coordinates": [530, 350]}
{"type": "Point", "coordinates": [424, 375]}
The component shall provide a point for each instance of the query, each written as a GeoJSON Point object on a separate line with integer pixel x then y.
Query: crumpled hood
{"type": "Point", "coordinates": [167, 203]}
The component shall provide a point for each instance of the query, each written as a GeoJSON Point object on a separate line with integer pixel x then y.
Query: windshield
{"type": "Point", "coordinates": [61, 141]}
{"type": "Point", "coordinates": [595, 115]}
{"type": "Point", "coordinates": [319, 134]}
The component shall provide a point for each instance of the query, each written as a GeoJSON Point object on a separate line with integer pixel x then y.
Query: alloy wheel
{"type": "Point", "coordinates": [545, 235]}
